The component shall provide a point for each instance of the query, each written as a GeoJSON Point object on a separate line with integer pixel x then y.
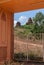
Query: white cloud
{"type": "Point", "coordinates": [22, 18]}
{"type": "Point", "coordinates": [15, 22]}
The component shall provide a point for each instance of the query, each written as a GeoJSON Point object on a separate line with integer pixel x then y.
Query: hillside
{"type": "Point", "coordinates": [22, 38]}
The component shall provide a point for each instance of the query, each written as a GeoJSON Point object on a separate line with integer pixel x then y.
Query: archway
{"type": "Point", "coordinates": [23, 38]}
{"type": "Point", "coordinates": [9, 7]}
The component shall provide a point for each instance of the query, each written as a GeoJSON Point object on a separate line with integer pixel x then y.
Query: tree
{"type": "Point", "coordinates": [39, 24]}
{"type": "Point", "coordinates": [18, 24]}
{"type": "Point", "coordinates": [42, 26]}
{"type": "Point", "coordinates": [38, 17]}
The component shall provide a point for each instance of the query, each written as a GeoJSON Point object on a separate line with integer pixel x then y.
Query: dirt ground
{"type": "Point", "coordinates": [23, 46]}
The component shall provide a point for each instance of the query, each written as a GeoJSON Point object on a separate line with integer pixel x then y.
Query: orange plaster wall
{"type": "Point", "coordinates": [6, 36]}
{"type": "Point", "coordinates": [22, 5]}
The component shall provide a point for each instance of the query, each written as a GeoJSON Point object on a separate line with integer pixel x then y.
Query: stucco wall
{"type": "Point", "coordinates": [6, 35]}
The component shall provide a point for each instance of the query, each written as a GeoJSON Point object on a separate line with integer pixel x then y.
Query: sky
{"type": "Point", "coordinates": [23, 16]}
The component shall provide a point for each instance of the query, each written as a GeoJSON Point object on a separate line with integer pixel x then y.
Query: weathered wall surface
{"type": "Point", "coordinates": [6, 35]}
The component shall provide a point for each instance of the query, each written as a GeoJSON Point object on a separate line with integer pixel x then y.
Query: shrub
{"type": "Point", "coordinates": [22, 57]}
{"type": "Point", "coordinates": [19, 56]}
{"type": "Point", "coordinates": [32, 56]}
{"type": "Point", "coordinates": [35, 57]}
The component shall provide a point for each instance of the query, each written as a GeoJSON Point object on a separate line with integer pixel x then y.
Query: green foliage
{"type": "Point", "coordinates": [35, 57]}
{"type": "Point", "coordinates": [38, 17]}
{"type": "Point", "coordinates": [28, 26]}
{"type": "Point", "coordinates": [38, 28]}
{"type": "Point", "coordinates": [32, 56]}
{"type": "Point", "coordinates": [23, 57]}
{"type": "Point", "coordinates": [19, 56]}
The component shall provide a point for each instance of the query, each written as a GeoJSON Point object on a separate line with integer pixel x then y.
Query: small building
{"type": "Point", "coordinates": [7, 10]}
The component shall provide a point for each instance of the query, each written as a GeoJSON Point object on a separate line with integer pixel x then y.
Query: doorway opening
{"type": "Point", "coordinates": [29, 35]}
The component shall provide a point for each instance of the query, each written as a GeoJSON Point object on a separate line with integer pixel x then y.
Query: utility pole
{"type": "Point", "coordinates": [27, 48]}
